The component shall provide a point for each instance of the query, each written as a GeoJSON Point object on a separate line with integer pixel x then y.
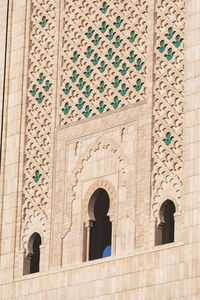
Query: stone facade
{"type": "Point", "coordinates": [99, 94]}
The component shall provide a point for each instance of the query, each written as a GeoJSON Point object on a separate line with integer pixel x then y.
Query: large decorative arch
{"type": "Point", "coordinates": [100, 143]}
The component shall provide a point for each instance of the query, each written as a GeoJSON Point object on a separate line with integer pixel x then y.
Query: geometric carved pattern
{"type": "Point", "coordinates": [103, 56]}
{"type": "Point", "coordinates": [168, 101]}
{"type": "Point", "coordinates": [38, 118]}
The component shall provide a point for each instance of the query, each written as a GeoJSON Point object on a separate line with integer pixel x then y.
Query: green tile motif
{"type": "Point", "coordinates": [104, 8]}
{"type": "Point", "coordinates": [40, 97]}
{"type": "Point", "coordinates": [80, 103]}
{"type": "Point", "coordinates": [116, 102]}
{"type": "Point", "coordinates": [87, 111]}
{"type": "Point", "coordinates": [169, 49]}
{"type": "Point", "coordinates": [66, 108]}
{"type": "Point", "coordinates": [44, 21]}
{"type": "Point", "coordinates": [168, 139]}
{"type": "Point", "coordinates": [101, 107]}
{"type": "Point", "coordinates": [67, 88]}
{"type": "Point", "coordinates": [37, 176]}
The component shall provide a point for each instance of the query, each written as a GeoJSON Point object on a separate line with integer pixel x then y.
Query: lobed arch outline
{"type": "Point", "coordinates": [109, 188]}
{"type": "Point", "coordinates": [31, 241]}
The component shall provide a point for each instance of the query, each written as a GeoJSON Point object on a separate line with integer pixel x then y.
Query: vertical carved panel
{"type": "Point", "coordinates": [168, 102]}
{"type": "Point", "coordinates": [38, 118]}
{"type": "Point", "coordinates": [103, 59]}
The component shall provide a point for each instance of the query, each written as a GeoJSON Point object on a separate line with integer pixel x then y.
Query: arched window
{"type": "Point", "coordinates": [32, 259]}
{"type": "Point", "coordinates": [100, 229]}
{"type": "Point", "coordinates": [165, 230]}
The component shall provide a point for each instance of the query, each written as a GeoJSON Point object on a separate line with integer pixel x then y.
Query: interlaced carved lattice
{"type": "Point", "coordinates": [168, 100]}
{"type": "Point", "coordinates": [103, 56]}
{"type": "Point", "coordinates": [38, 118]}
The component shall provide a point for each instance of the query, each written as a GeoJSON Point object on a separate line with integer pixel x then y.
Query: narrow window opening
{"type": "Point", "coordinates": [165, 230]}
{"type": "Point", "coordinates": [101, 229]}
{"type": "Point", "coordinates": [32, 259]}
{"type": "Point", "coordinates": [168, 228]}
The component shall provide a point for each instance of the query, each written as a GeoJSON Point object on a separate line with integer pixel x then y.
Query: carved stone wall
{"type": "Point", "coordinates": [168, 102]}
{"type": "Point", "coordinates": [93, 147]}
{"type": "Point", "coordinates": [102, 67]}
{"type": "Point", "coordinates": [103, 57]}
{"type": "Point", "coordinates": [39, 119]}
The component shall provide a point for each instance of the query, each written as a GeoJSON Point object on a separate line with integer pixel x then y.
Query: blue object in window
{"type": "Point", "coordinates": [107, 251]}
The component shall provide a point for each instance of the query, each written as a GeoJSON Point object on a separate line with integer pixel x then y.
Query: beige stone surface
{"type": "Point", "coordinates": [121, 149]}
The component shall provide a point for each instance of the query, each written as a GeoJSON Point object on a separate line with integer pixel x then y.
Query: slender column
{"type": "Point", "coordinates": [26, 263]}
{"type": "Point", "coordinates": [88, 225]}
{"type": "Point", "coordinates": [113, 236]}
{"type": "Point", "coordinates": [178, 224]}
{"type": "Point", "coordinates": [43, 258]}
{"type": "Point", "coordinates": [158, 233]}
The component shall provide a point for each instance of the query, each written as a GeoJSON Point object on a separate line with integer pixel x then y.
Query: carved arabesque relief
{"type": "Point", "coordinates": [168, 103]}
{"type": "Point", "coordinates": [103, 57]}
{"type": "Point", "coordinates": [38, 119]}
{"type": "Point", "coordinates": [100, 143]}
{"type": "Point", "coordinates": [35, 222]}
{"type": "Point", "coordinates": [168, 192]}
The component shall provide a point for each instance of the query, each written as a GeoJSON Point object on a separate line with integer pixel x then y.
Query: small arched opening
{"type": "Point", "coordinates": [32, 259]}
{"type": "Point", "coordinates": [100, 227]}
{"type": "Point", "coordinates": [166, 228]}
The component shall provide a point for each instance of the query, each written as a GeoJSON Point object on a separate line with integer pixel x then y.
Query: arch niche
{"type": "Point", "coordinates": [32, 258]}
{"type": "Point", "coordinates": [99, 207]}
{"type": "Point", "coordinates": [100, 143]}
{"type": "Point", "coordinates": [165, 229]}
